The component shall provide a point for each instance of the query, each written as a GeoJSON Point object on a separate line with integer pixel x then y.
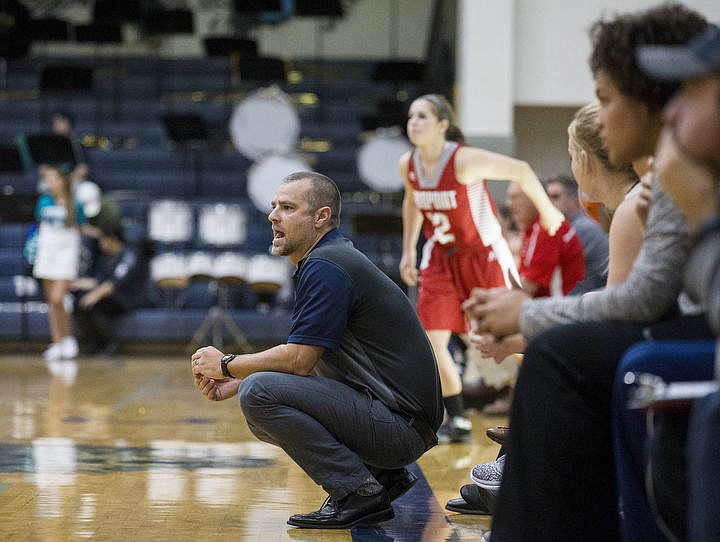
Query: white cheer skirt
{"type": "Point", "coordinates": [58, 253]}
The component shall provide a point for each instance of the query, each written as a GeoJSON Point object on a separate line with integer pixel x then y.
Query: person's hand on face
{"type": "Point", "coordinates": [689, 184]}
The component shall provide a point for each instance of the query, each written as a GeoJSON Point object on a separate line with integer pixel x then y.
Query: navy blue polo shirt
{"type": "Point", "coordinates": [324, 296]}
{"type": "Point", "coordinates": [372, 336]}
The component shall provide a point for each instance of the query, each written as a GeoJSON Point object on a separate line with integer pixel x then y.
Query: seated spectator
{"type": "Point", "coordinates": [101, 213]}
{"type": "Point", "coordinates": [676, 468]}
{"type": "Point", "coordinates": [548, 265]}
{"type": "Point", "coordinates": [560, 489]}
{"type": "Point", "coordinates": [617, 188]}
{"type": "Point", "coordinates": [563, 192]}
{"type": "Point", "coordinates": [114, 287]}
{"type": "Point", "coordinates": [653, 495]}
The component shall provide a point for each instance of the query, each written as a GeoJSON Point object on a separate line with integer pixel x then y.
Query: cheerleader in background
{"type": "Point", "coordinates": [58, 256]}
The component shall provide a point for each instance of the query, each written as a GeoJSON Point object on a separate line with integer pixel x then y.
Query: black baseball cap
{"type": "Point", "coordinates": [698, 58]}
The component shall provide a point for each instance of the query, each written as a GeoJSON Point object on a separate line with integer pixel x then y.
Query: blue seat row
{"type": "Point", "coordinates": [148, 325]}
{"type": "Point", "coordinates": [120, 120]}
{"type": "Point", "coordinates": [11, 261]}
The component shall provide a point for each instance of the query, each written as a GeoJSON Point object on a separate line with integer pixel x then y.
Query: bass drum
{"type": "Point", "coordinates": [230, 268]}
{"type": "Point", "coordinates": [265, 176]}
{"type": "Point", "coordinates": [377, 162]}
{"type": "Point", "coordinates": [267, 274]}
{"type": "Point", "coordinates": [200, 266]}
{"type": "Point", "coordinates": [170, 221]}
{"type": "Point", "coordinates": [170, 270]}
{"type": "Point", "coordinates": [264, 123]}
{"type": "Point", "coordinates": [221, 224]}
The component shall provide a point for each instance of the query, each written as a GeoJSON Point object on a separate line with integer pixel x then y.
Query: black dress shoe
{"type": "Point", "coordinates": [396, 482]}
{"type": "Point", "coordinates": [326, 510]}
{"type": "Point", "coordinates": [347, 512]}
{"type": "Point", "coordinates": [473, 500]}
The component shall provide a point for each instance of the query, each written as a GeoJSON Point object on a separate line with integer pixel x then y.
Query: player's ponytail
{"type": "Point", "coordinates": [444, 111]}
{"type": "Point", "coordinates": [454, 134]}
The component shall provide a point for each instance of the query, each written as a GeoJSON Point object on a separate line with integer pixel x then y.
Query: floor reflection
{"type": "Point", "coordinates": [128, 450]}
{"type": "Point", "coordinates": [62, 455]}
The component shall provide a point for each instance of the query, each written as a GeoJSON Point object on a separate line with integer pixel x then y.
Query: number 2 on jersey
{"type": "Point", "coordinates": [441, 223]}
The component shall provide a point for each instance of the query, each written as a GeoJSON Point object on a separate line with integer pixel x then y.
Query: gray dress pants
{"type": "Point", "coordinates": [332, 431]}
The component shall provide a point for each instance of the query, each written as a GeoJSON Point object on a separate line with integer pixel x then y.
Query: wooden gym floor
{"type": "Point", "coordinates": [125, 449]}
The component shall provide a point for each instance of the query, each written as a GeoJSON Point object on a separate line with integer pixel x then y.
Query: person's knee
{"type": "Point", "coordinates": [253, 393]}
{"type": "Point", "coordinates": [668, 360]}
{"type": "Point", "coordinates": [540, 352]}
{"type": "Point", "coordinates": [255, 396]}
{"type": "Point", "coordinates": [55, 297]}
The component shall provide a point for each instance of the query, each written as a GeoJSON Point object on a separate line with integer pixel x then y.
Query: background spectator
{"type": "Point", "coordinates": [563, 192]}
{"type": "Point", "coordinates": [114, 286]}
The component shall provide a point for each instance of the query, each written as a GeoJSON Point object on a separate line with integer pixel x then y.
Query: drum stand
{"type": "Point", "coordinates": [217, 321]}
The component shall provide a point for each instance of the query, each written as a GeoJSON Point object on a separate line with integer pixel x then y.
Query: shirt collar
{"type": "Point", "coordinates": [328, 237]}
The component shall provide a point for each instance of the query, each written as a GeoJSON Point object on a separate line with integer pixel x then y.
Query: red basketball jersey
{"type": "Point", "coordinates": [454, 214]}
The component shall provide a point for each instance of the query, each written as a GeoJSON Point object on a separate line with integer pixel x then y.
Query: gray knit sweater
{"type": "Point", "coordinates": [650, 289]}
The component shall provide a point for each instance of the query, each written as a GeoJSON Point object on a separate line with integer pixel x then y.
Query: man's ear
{"type": "Point", "coordinates": [322, 216]}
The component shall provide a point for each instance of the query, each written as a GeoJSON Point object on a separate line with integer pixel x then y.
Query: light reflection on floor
{"type": "Point", "coordinates": [125, 449]}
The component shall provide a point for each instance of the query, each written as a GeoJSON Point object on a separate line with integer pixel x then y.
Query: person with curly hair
{"type": "Point", "coordinates": [565, 489]}
{"type": "Point", "coordinates": [680, 472]}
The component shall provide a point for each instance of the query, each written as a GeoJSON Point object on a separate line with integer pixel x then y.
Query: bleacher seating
{"type": "Point", "coordinates": [119, 119]}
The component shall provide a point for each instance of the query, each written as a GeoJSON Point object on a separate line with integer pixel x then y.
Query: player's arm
{"type": "Point", "coordinates": [299, 359]}
{"type": "Point", "coordinates": [473, 164]}
{"type": "Point", "coordinates": [412, 222]}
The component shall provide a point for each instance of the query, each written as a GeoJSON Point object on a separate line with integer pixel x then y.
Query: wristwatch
{"type": "Point", "coordinates": [227, 358]}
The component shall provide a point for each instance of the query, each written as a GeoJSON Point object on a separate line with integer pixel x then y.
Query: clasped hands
{"type": "Point", "coordinates": [493, 316]}
{"type": "Point", "coordinates": [208, 377]}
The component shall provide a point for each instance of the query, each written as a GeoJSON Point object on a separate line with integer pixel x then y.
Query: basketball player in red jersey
{"type": "Point", "coordinates": [446, 196]}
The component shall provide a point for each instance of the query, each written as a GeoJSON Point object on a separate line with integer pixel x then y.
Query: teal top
{"type": "Point", "coordinates": [47, 211]}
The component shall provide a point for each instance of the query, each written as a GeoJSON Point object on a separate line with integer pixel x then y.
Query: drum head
{"type": "Point", "coordinates": [265, 176]}
{"type": "Point", "coordinates": [377, 163]}
{"type": "Point", "coordinates": [264, 123]}
{"type": "Point", "coordinates": [170, 221]}
{"type": "Point", "coordinates": [200, 266]}
{"type": "Point", "coordinates": [230, 268]}
{"type": "Point", "coordinates": [170, 270]}
{"type": "Point", "coordinates": [267, 274]}
{"type": "Point", "coordinates": [222, 224]}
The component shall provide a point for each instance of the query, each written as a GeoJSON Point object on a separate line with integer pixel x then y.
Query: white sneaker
{"type": "Point", "coordinates": [486, 536]}
{"type": "Point", "coordinates": [455, 429]}
{"type": "Point", "coordinates": [69, 348]}
{"type": "Point", "coordinates": [54, 352]}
